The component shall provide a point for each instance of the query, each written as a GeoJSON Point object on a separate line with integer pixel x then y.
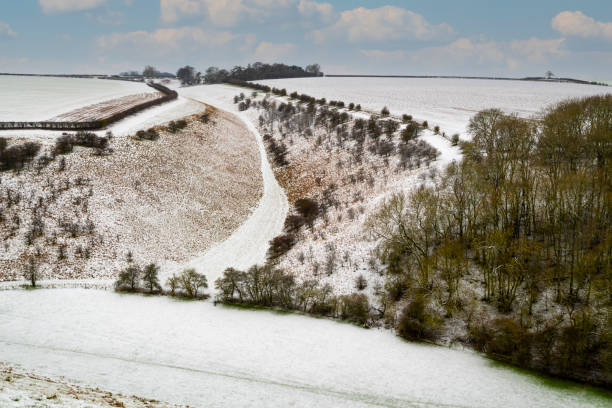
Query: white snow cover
{"type": "Point", "coordinates": [247, 245]}
{"type": "Point", "coordinates": [448, 103]}
{"type": "Point", "coordinates": [197, 354]}
{"type": "Point", "coordinates": [31, 98]}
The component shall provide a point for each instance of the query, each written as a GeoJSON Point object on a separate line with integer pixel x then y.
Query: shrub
{"type": "Point", "coordinates": [384, 111]}
{"type": "Point", "coordinates": [293, 223]}
{"type": "Point", "coordinates": [308, 208]}
{"type": "Point", "coordinates": [14, 157]}
{"type": "Point", "coordinates": [425, 124]}
{"type": "Point", "coordinates": [503, 337]}
{"type": "Point", "coordinates": [280, 245]}
{"type": "Point", "coordinates": [90, 139]}
{"type": "Point", "coordinates": [63, 144]}
{"type": "Point", "coordinates": [410, 132]}
{"type": "Point", "coordinates": [406, 118]}
{"type": "Point", "coordinates": [361, 283]}
{"type": "Point", "coordinates": [417, 322]}
{"type": "Point", "coordinates": [358, 107]}
{"type": "Point", "coordinates": [205, 117]}
{"type": "Point", "coordinates": [436, 129]}
{"type": "Point", "coordinates": [455, 139]}
{"type": "Point", "coordinates": [354, 308]}
{"type": "Point", "coordinates": [175, 126]}
{"type": "Point", "coordinates": [351, 106]}
{"type": "Point", "coordinates": [150, 134]}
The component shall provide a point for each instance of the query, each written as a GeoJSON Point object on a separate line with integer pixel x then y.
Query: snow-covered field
{"type": "Point", "coordinates": [198, 354]}
{"type": "Point", "coordinates": [448, 103]}
{"type": "Point", "coordinates": [31, 98]}
{"type": "Point", "coordinates": [249, 243]}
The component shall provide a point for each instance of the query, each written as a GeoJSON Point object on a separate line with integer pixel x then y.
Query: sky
{"type": "Point", "coordinates": [394, 37]}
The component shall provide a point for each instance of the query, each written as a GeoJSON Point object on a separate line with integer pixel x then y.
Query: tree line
{"type": "Point", "coordinates": [525, 221]}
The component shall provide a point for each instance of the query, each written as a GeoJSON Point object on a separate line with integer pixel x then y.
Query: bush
{"type": "Point", "coordinates": [436, 129]}
{"type": "Point", "coordinates": [358, 107]}
{"type": "Point", "coordinates": [150, 134]}
{"type": "Point", "coordinates": [503, 337]}
{"type": "Point", "coordinates": [417, 322]}
{"type": "Point", "coordinates": [361, 283]}
{"type": "Point", "coordinates": [90, 139]}
{"type": "Point", "coordinates": [425, 124]}
{"type": "Point", "coordinates": [455, 139]}
{"type": "Point", "coordinates": [280, 245]}
{"type": "Point", "coordinates": [175, 126]}
{"type": "Point", "coordinates": [308, 209]}
{"type": "Point", "coordinates": [406, 118]}
{"type": "Point", "coordinates": [410, 132]}
{"type": "Point", "coordinates": [384, 111]}
{"type": "Point", "coordinates": [355, 308]}
{"type": "Point", "coordinates": [63, 144]}
{"type": "Point", "coordinates": [16, 156]}
{"type": "Point", "coordinates": [351, 106]}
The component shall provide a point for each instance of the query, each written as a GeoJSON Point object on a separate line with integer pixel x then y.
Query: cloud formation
{"type": "Point", "coordinates": [309, 9]}
{"type": "Point", "coordinates": [382, 24]}
{"type": "Point", "coordinates": [6, 30]}
{"type": "Point", "coordinates": [575, 23]}
{"type": "Point", "coordinates": [272, 52]}
{"type": "Point", "coordinates": [497, 55]}
{"type": "Point", "coordinates": [167, 39]}
{"type": "Point", "coordinates": [65, 6]}
{"type": "Point", "coordinates": [220, 12]}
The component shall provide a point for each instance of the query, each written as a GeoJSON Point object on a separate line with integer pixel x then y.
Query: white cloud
{"type": "Point", "coordinates": [221, 12]}
{"type": "Point", "coordinates": [64, 6]}
{"type": "Point", "coordinates": [6, 30]}
{"type": "Point", "coordinates": [309, 9]}
{"type": "Point", "coordinates": [385, 54]}
{"type": "Point", "coordinates": [482, 52]}
{"type": "Point", "coordinates": [167, 39]}
{"type": "Point", "coordinates": [271, 52]}
{"type": "Point", "coordinates": [537, 50]}
{"type": "Point", "coordinates": [382, 24]}
{"type": "Point", "coordinates": [575, 23]}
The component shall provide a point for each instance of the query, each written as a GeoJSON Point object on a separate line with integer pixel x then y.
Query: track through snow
{"type": "Point", "coordinates": [249, 243]}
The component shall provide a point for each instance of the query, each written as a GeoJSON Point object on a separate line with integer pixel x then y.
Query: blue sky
{"type": "Point", "coordinates": [470, 37]}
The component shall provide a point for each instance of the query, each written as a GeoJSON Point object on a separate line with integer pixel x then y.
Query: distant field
{"type": "Point", "coordinates": [449, 103]}
{"type": "Point", "coordinates": [107, 108]}
{"type": "Point", "coordinates": [30, 98]}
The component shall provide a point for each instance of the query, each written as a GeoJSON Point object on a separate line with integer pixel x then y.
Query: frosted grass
{"type": "Point", "coordinates": [32, 98]}
{"type": "Point", "coordinates": [448, 103]}
{"type": "Point", "coordinates": [198, 354]}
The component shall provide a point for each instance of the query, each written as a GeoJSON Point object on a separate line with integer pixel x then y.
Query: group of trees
{"type": "Point", "coordinates": [149, 71]}
{"type": "Point", "coordinates": [259, 71]}
{"type": "Point", "coordinates": [272, 287]}
{"type": "Point", "coordinates": [134, 278]}
{"type": "Point", "coordinates": [528, 213]}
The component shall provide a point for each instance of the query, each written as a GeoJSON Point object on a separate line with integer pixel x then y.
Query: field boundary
{"type": "Point", "coordinates": [169, 95]}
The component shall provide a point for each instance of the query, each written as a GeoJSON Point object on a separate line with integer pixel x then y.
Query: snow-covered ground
{"type": "Point", "coordinates": [198, 354]}
{"type": "Point", "coordinates": [448, 103]}
{"type": "Point", "coordinates": [249, 243]}
{"type": "Point", "coordinates": [31, 98]}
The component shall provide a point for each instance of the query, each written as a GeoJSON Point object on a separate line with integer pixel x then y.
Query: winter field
{"type": "Point", "coordinates": [224, 357]}
{"type": "Point", "coordinates": [448, 103]}
{"type": "Point", "coordinates": [220, 356]}
{"type": "Point", "coordinates": [31, 98]}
